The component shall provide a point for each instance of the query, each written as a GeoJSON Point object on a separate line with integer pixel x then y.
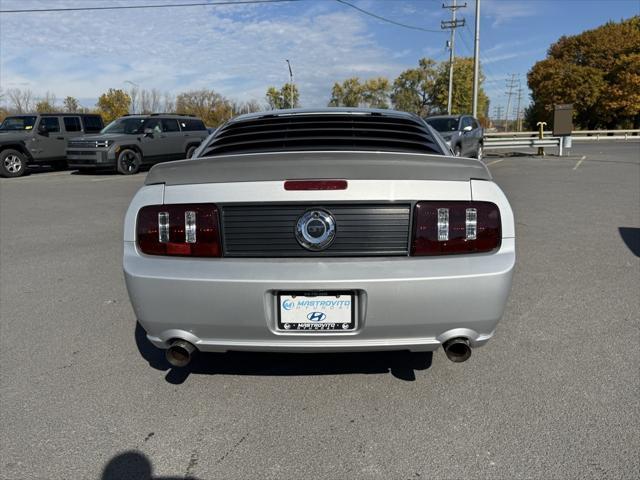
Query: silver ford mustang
{"type": "Point", "coordinates": [319, 230]}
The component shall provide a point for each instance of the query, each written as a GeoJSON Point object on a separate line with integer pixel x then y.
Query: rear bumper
{"type": "Point", "coordinates": [403, 303]}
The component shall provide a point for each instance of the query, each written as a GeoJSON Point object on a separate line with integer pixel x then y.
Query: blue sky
{"type": "Point", "coordinates": [240, 50]}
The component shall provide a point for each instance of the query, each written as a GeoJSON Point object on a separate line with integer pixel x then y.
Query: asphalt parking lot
{"type": "Point", "coordinates": [556, 393]}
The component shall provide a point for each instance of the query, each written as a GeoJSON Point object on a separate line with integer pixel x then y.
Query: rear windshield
{"type": "Point", "coordinates": [444, 124]}
{"type": "Point", "coordinates": [18, 123]}
{"type": "Point", "coordinates": [318, 131]}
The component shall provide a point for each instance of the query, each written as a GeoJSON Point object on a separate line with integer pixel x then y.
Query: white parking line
{"type": "Point", "coordinates": [579, 162]}
{"type": "Point", "coordinates": [495, 161]}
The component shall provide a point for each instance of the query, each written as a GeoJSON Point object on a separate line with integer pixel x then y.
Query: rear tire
{"type": "Point", "coordinates": [456, 151]}
{"type": "Point", "coordinates": [12, 163]}
{"type": "Point", "coordinates": [480, 152]}
{"type": "Point", "coordinates": [190, 151]}
{"type": "Point", "coordinates": [128, 162]}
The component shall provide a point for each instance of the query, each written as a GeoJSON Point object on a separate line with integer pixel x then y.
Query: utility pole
{"type": "Point", "coordinates": [519, 112]}
{"type": "Point", "coordinates": [476, 63]}
{"type": "Point", "coordinates": [290, 84]}
{"type": "Point", "coordinates": [497, 113]}
{"type": "Point", "coordinates": [511, 84]}
{"type": "Point", "coordinates": [451, 25]}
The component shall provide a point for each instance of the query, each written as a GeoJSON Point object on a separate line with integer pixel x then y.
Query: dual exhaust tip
{"type": "Point", "coordinates": [180, 352]}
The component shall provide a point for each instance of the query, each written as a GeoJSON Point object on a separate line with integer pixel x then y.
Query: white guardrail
{"type": "Point", "coordinates": [510, 140]}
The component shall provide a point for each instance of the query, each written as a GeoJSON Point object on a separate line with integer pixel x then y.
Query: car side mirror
{"type": "Point", "coordinates": [42, 130]}
{"type": "Point", "coordinates": [468, 128]}
{"type": "Point", "coordinates": [148, 132]}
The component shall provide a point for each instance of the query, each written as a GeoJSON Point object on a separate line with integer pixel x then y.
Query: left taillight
{"type": "Point", "coordinates": [189, 229]}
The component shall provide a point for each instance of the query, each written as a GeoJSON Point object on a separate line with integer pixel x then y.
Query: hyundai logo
{"type": "Point", "coordinates": [315, 229]}
{"type": "Point", "coordinates": [316, 316]}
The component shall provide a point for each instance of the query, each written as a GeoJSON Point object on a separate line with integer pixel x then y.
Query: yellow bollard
{"type": "Point", "coordinates": [541, 126]}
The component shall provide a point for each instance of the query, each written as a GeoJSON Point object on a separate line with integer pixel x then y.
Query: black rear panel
{"type": "Point", "coordinates": [323, 132]}
{"type": "Point", "coordinates": [362, 230]}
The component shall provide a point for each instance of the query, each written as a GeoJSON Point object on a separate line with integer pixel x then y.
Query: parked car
{"type": "Point", "coordinates": [319, 230]}
{"type": "Point", "coordinates": [463, 134]}
{"type": "Point", "coordinates": [40, 138]}
{"type": "Point", "coordinates": [135, 140]}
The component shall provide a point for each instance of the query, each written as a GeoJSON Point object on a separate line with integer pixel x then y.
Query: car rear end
{"type": "Point", "coordinates": [396, 248]}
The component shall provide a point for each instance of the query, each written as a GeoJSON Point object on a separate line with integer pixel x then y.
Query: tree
{"type": "Point", "coordinates": [113, 104]}
{"type": "Point", "coordinates": [375, 92]}
{"type": "Point", "coordinates": [209, 105]}
{"type": "Point", "coordinates": [462, 95]}
{"type": "Point", "coordinates": [598, 71]}
{"type": "Point", "coordinates": [280, 99]}
{"type": "Point", "coordinates": [43, 106]}
{"type": "Point", "coordinates": [71, 104]}
{"type": "Point", "coordinates": [169, 104]}
{"type": "Point", "coordinates": [251, 106]}
{"type": "Point", "coordinates": [414, 89]}
{"type": "Point", "coordinates": [21, 101]}
{"type": "Point", "coordinates": [133, 95]}
{"type": "Point", "coordinates": [348, 94]}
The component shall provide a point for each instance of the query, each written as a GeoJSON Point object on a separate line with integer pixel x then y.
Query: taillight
{"type": "Point", "coordinates": [180, 229]}
{"type": "Point", "coordinates": [443, 228]}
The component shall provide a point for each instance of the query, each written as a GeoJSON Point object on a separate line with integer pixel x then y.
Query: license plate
{"type": "Point", "coordinates": [308, 311]}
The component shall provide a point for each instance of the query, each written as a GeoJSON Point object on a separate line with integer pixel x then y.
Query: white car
{"type": "Point", "coordinates": [320, 230]}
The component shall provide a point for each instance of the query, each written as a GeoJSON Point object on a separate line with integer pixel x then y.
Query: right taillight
{"type": "Point", "coordinates": [190, 230]}
{"type": "Point", "coordinates": [444, 228]}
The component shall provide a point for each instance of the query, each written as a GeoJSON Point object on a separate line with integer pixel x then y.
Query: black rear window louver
{"type": "Point", "coordinates": [323, 132]}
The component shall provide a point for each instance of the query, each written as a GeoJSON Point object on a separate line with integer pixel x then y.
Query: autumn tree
{"type": "Point", "coordinates": [349, 93]}
{"type": "Point", "coordinates": [462, 94]}
{"type": "Point", "coordinates": [280, 99]}
{"type": "Point", "coordinates": [209, 105]}
{"type": "Point", "coordinates": [71, 104]}
{"type": "Point", "coordinates": [113, 104]}
{"type": "Point", "coordinates": [375, 92]}
{"type": "Point", "coordinates": [46, 104]}
{"type": "Point", "coordinates": [598, 71]}
{"type": "Point", "coordinates": [414, 89]}
{"type": "Point", "coordinates": [43, 106]}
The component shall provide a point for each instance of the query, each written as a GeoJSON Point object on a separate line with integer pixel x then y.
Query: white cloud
{"type": "Point", "coordinates": [508, 56]}
{"type": "Point", "coordinates": [239, 51]}
{"type": "Point", "coordinates": [503, 11]}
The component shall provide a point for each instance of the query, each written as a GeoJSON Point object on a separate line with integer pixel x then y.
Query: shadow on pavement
{"type": "Point", "coordinates": [401, 364]}
{"type": "Point", "coordinates": [133, 465]}
{"type": "Point", "coordinates": [631, 238]}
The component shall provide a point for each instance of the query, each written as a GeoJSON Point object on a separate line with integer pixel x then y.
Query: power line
{"type": "Point", "coordinates": [131, 7]}
{"type": "Point", "coordinates": [404, 25]}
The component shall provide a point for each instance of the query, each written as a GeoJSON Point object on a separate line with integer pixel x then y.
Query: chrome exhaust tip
{"type": "Point", "coordinates": [457, 349]}
{"type": "Point", "coordinates": [180, 353]}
